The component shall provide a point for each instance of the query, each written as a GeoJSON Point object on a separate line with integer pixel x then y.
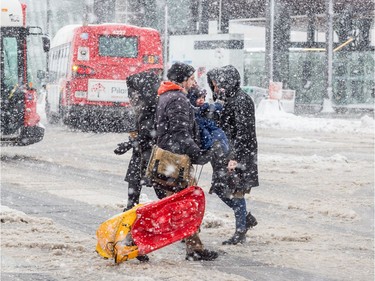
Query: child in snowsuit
{"type": "Point", "coordinates": [205, 115]}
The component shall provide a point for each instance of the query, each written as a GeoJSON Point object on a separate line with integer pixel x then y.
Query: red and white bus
{"type": "Point", "coordinates": [88, 67]}
{"type": "Point", "coordinates": [19, 118]}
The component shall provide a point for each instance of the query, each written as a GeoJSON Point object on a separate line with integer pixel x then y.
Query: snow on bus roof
{"type": "Point", "coordinates": [65, 34]}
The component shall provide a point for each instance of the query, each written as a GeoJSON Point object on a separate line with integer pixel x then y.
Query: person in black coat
{"type": "Point", "coordinates": [142, 91]}
{"type": "Point", "coordinates": [178, 132]}
{"type": "Point", "coordinates": [237, 174]}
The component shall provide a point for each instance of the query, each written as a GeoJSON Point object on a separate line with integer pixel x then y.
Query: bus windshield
{"type": "Point", "coordinates": [118, 46]}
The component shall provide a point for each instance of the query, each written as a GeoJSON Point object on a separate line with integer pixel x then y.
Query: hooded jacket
{"type": "Point", "coordinates": [238, 122]}
{"type": "Point", "coordinates": [176, 128]}
{"type": "Point", "coordinates": [142, 90]}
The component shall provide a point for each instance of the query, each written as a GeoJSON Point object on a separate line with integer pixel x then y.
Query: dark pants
{"type": "Point", "coordinates": [193, 242]}
{"type": "Point", "coordinates": [238, 205]}
{"type": "Point", "coordinates": [221, 185]}
{"type": "Point", "coordinates": [134, 192]}
{"type": "Point", "coordinates": [134, 177]}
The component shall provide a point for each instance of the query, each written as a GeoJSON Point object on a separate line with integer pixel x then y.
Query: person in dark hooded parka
{"type": "Point", "coordinates": [142, 91]}
{"type": "Point", "coordinates": [235, 175]}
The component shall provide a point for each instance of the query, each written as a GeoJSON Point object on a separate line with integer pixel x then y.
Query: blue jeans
{"type": "Point", "coordinates": [238, 205]}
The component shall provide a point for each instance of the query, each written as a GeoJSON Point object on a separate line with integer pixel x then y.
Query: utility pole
{"type": "Point", "coordinates": [88, 10]}
{"type": "Point", "coordinates": [272, 23]}
{"type": "Point", "coordinates": [126, 12]}
{"type": "Point", "coordinates": [165, 42]}
{"type": "Point", "coordinates": [86, 14]}
{"type": "Point", "coordinates": [327, 102]}
{"type": "Point", "coordinates": [48, 17]}
{"type": "Point", "coordinates": [199, 27]}
{"type": "Point", "coordinates": [220, 11]}
{"type": "Point", "coordinates": [48, 30]}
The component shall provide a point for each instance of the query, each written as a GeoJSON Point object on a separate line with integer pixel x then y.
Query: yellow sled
{"type": "Point", "coordinates": [146, 228]}
{"type": "Point", "coordinates": [114, 237]}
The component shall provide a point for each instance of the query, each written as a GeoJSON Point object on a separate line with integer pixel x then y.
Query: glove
{"type": "Point", "coordinates": [123, 147]}
{"type": "Point", "coordinates": [133, 135]}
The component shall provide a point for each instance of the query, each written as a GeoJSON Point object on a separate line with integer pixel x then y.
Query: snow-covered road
{"type": "Point", "coordinates": [315, 208]}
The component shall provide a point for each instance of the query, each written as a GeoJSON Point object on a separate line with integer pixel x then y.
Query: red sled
{"type": "Point", "coordinates": [146, 228]}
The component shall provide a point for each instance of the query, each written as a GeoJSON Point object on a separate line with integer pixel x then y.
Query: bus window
{"type": "Point", "coordinates": [58, 62]}
{"type": "Point", "coordinates": [118, 46]}
{"type": "Point", "coordinates": [67, 59]}
{"type": "Point", "coordinates": [62, 63]}
{"type": "Point", "coordinates": [9, 50]}
{"type": "Point", "coordinates": [53, 67]}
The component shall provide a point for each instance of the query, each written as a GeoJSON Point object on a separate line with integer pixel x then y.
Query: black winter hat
{"type": "Point", "coordinates": [180, 72]}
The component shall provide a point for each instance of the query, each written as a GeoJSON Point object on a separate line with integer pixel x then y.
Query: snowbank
{"type": "Point", "coordinates": [269, 115]}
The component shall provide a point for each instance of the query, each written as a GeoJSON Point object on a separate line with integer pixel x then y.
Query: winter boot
{"type": "Point", "coordinates": [239, 237]}
{"type": "Point", "coordinates": [143, 258]}
{"type": "Point", "coordinates": [251, 221]}
{"type": "Point", "coordinates": [203, 255]}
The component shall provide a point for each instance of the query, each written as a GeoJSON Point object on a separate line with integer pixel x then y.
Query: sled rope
{"type": "Point", "coordinates": [200, 172]}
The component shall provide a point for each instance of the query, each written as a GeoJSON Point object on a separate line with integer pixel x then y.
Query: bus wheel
{"type": "Point", "coordinates": [65, 116]}
{"type": "Point", "coordinates": [74, 119]}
